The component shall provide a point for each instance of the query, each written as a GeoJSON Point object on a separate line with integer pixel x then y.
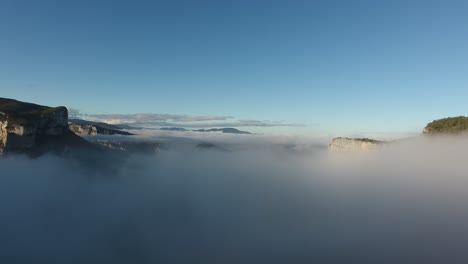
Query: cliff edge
{"type": "Point", "coordinates": [32, 128]}
{"type": "Point", "coordinates": [354, 144]}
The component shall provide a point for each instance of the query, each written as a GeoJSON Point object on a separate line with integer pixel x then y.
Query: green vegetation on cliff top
{"type": "Point", "coordinates": [448, 125]}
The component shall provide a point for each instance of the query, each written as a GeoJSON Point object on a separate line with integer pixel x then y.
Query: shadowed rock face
{"type": "Point", "coordinates": [25, 127]}
{"type": "Point", "coordinates": [354, 144]}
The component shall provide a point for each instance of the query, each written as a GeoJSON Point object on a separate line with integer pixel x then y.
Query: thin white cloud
{"type": "Point", "coordinates": [173, 120]}
{"type": "Point", "coordinates": [143, 118]}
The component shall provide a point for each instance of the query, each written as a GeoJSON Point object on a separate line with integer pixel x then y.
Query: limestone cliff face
{"type": "Point", "coordinates": [83, 127]}
{"type": "Point", "coordinates": [354, 144]}
{"type": "Point", "coordinates": [3, 135]}
{"type": "Point", "coordinates": [13, 136]}
{"type": "Point", "coordinates": [23, 124]}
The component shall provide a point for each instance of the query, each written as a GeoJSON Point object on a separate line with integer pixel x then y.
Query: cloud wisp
{"type": "Point", "coordinates": [172, 120]}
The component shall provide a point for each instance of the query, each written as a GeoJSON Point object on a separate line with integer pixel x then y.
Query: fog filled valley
{"type": "Point", "coordinates": [238, 199]}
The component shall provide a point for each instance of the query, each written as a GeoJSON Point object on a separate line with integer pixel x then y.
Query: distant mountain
{"type": "Point", "coordinates": [227, 130]}
{"type": "Point", "coordinates": [209, 146]}
{"type": "Point", "coordinates": [84, 127]}
{"type": "Point", "coordinates": [450, 125]}
{"type": "Point", "coordinates": [173, 129]}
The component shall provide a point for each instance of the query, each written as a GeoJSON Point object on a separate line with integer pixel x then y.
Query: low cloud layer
{"type": "Point", "coordinates": [267, 202]}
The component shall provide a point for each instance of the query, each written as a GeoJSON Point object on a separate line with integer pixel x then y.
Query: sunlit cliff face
{"type": "Point", "coordinates": [251, 203]}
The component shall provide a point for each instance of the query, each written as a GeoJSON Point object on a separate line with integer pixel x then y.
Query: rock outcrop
{"type": "Point", "coordinates": [27, 127]}
{"type": "Point", "coordinates": [83, 127]}
{"type": "Point", "coordinates": [354, 144]}
{"type": "Point", "coordinates": [128, 146]}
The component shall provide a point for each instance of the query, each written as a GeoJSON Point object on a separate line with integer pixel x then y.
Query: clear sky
{"type": "Point", "coordinates": [338, 67]}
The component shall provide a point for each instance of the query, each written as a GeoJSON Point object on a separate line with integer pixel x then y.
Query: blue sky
{"type": "Point", "coordinates": [338, 67]}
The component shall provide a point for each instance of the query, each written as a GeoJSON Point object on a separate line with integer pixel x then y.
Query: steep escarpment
{"type": "Point", "coordinates": [354, 144]}
{"type": "Point", "coordinates": [32, 128]}
{"type": "Point", "coordinates": [449, 125]}
{"type": "Point", "coordinates": [83, 127]}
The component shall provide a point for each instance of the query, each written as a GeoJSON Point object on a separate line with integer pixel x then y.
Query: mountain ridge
{"type": "Point", "coordinates": [226, 130]}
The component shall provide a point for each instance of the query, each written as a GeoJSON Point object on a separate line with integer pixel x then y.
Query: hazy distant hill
{"type": "Point", "coordinates": [448, 125]}
{"type": "Point", "coordinates": [224, 130]}
{"type": "Point", "coordinates": [228, 130]}
{"type": "Point", "coordinates": [209, 146]}
{"type": "Point", "coordinates": [173, 129]}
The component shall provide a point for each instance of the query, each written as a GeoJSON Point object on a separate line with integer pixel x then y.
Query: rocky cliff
{"type": "Point", "coordinates": [83, 127]}
{"type": "Point", "coordinates": [354, 144]}
{"type": "Point", "coordinates": [28, 127]}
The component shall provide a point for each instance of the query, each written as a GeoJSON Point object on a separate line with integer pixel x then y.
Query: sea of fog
{"type": "Point", "coordinates": [253, 199]}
